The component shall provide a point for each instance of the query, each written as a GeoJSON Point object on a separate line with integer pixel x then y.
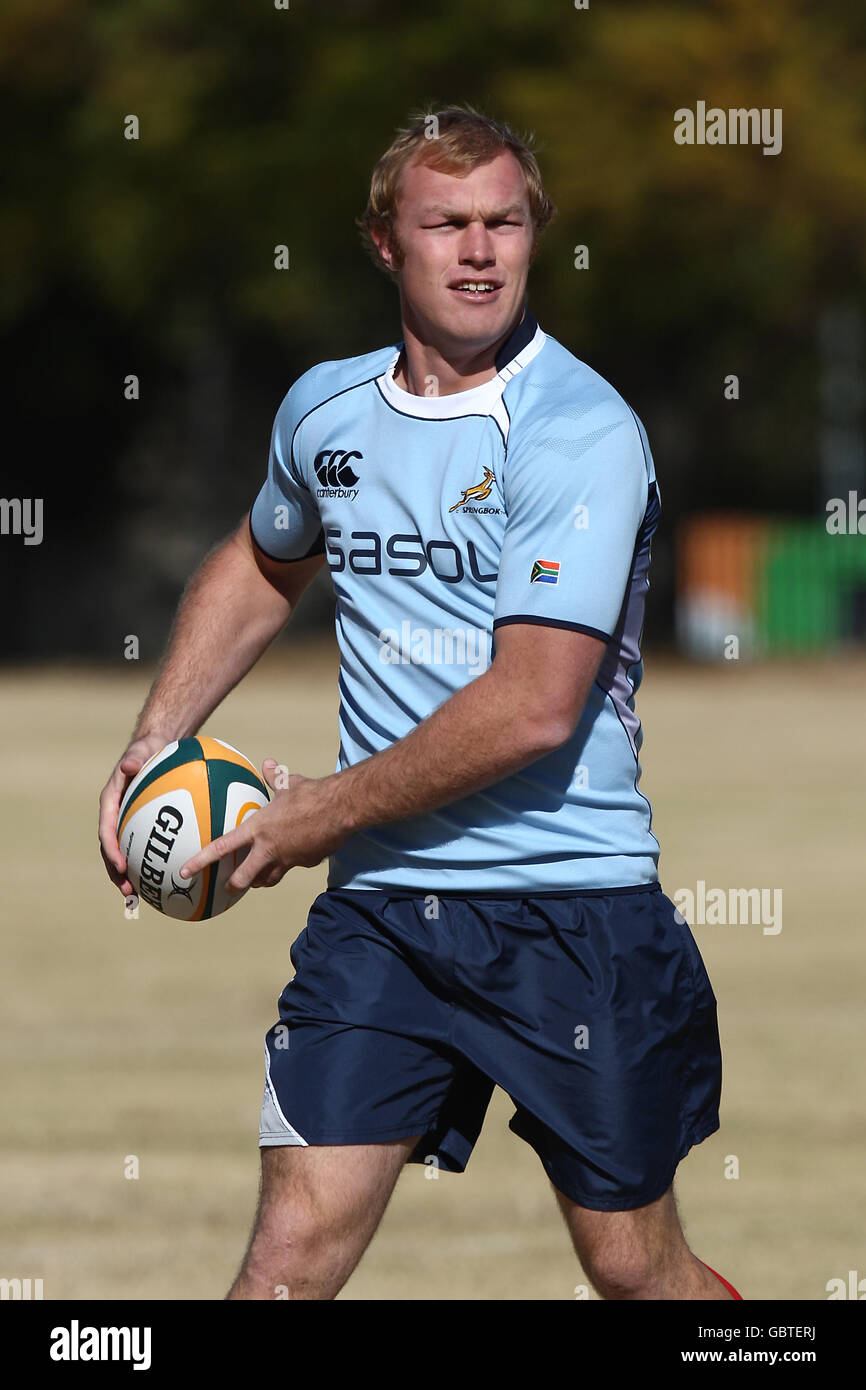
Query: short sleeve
{"type": "Point", "coordinates": [575, 501]}
{"type": "Point", "coordinates": [284, 520]}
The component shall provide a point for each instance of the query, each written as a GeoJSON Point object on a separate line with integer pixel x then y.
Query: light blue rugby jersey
{"type": "Point", "coordinates": [532, 499]}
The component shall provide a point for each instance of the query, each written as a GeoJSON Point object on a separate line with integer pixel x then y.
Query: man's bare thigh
{"type": "Point", "coordinates": [319, 1207]}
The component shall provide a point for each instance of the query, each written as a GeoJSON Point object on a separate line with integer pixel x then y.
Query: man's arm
{"type": "Point", "coordinates": [233, 608]}
{"type": "Point", "coordinates": [581, 503]}
{"type": "Point", "coordinates": [525, 705]}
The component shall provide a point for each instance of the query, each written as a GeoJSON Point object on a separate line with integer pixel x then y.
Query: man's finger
{"type": "Point", "coordinates": [111, 851]}
{"type": "Point", "coordinates": [109, 805]}
{"type": "Point", "coordinates": [117, 876]}
{"type": "Point", "coordinates": [270, 770]}
{"type": "Point", "coordinates": [219, 848]}
{"type": "Point", "coordinates": [270, 875]}
{"type": "Point", "coordinates": [255, 864]}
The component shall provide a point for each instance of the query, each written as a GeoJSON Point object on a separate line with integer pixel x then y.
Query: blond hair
{"type": "Point", "coordinates": [455, 139]}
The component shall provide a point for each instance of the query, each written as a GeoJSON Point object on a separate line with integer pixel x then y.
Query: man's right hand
{"type": "Point", "coordinates": [110, 798]}
{"type": "Point", "coordinates": [232, 609]}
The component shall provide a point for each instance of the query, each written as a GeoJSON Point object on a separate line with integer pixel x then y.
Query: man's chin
{"type": "Point", "coordinates": [481, 326]}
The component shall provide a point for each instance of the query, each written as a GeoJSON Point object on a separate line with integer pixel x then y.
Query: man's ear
{"type": "Point", "coordinates": [383, 246]}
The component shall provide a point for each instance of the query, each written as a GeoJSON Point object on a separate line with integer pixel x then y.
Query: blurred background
{"type": "Point", "coordinates": [149, 339]}
{"type": "Point", "coordinates": [153, 257]}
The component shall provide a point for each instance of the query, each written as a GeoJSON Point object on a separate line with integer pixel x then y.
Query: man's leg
{"type": "Point", "coordinates": [640, 1254]}
{"type": "Point", "coordinates": [319, 1207]}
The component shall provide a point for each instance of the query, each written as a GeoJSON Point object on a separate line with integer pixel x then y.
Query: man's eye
{"type": "Point", "coordinates": [453, 222]}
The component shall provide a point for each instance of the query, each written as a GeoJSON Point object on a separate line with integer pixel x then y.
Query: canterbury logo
{"type": "Point", "coordinates": [332, 467]}
{"type": "Point", "coordinates": [477, 493]}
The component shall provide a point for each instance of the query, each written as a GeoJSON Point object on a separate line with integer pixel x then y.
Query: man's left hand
{"type": "Point", "coordinates": [293, 829]}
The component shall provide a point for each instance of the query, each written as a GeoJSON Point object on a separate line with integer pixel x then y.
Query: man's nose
{"type": "Point", "coordinates": [477, 245]}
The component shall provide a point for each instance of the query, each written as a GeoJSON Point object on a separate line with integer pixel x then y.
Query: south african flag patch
{"type": "Point", "coordinates": [544, 572]}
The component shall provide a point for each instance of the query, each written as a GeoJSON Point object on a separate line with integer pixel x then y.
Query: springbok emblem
{"type": "Point", "coordinates": [478, 492]}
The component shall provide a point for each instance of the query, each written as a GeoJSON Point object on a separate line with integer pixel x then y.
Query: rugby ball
{"type": "Point", "coordinates": [186, 795]}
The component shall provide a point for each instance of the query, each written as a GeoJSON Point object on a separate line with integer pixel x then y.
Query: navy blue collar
{"type": "Point", "coordinates": [516, 340]}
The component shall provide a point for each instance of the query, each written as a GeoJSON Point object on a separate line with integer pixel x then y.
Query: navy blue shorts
{"type": "Point", "coordinates": [593, 1011]}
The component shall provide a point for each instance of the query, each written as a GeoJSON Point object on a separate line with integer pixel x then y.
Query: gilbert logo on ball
{"type": "Point", "coordinates": [186, 795]}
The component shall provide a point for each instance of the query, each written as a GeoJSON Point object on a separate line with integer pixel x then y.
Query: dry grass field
{"type": "Point", "coordinates": [144, 1037]}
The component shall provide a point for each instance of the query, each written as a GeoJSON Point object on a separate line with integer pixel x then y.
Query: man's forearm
{"type": "Point", "coordinates": [227, 617]}
{"type": "Point", "coordinates": [483, 733]}
{"type": "Point", "coordinates": [527, 704]}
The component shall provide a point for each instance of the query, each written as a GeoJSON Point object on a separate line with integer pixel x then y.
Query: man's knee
{"type": "Point", "coordinates": [299, 1248]}
{"type": "Point", "coordinates": [293, 1246]}
{"type": "Point", "coordinates": [299, 1209]}
{"type": "Point", "coordinates": [622, 1270]}
{"type": "Point", "coordinates": [627, 1254]}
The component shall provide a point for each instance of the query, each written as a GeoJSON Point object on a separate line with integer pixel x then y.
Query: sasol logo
{"type": "Point", "coordinates": [412, 556]}
{"type": "Point", "coordinates": [336, 474]}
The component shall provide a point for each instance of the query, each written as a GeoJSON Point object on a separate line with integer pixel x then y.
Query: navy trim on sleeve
{"type": "Point", "coordinates": [553, 622]}
{"type": "Point", "coordinates": [344, 390]}
{"type": "Point", "coordinates": [317, 548]}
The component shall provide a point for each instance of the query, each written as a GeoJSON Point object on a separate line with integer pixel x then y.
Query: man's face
{"type": "Point", "coordinates": [466, 243]}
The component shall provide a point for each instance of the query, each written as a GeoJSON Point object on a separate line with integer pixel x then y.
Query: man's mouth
{"type": "Point", "coordinates": [476, 289]}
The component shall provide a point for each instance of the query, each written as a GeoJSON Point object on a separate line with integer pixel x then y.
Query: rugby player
{"type": "Point", "coordinates": [493, 913]}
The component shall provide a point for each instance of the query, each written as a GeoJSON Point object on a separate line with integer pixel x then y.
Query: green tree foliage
{"type": "Point", "coordinates": [259, 126]}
